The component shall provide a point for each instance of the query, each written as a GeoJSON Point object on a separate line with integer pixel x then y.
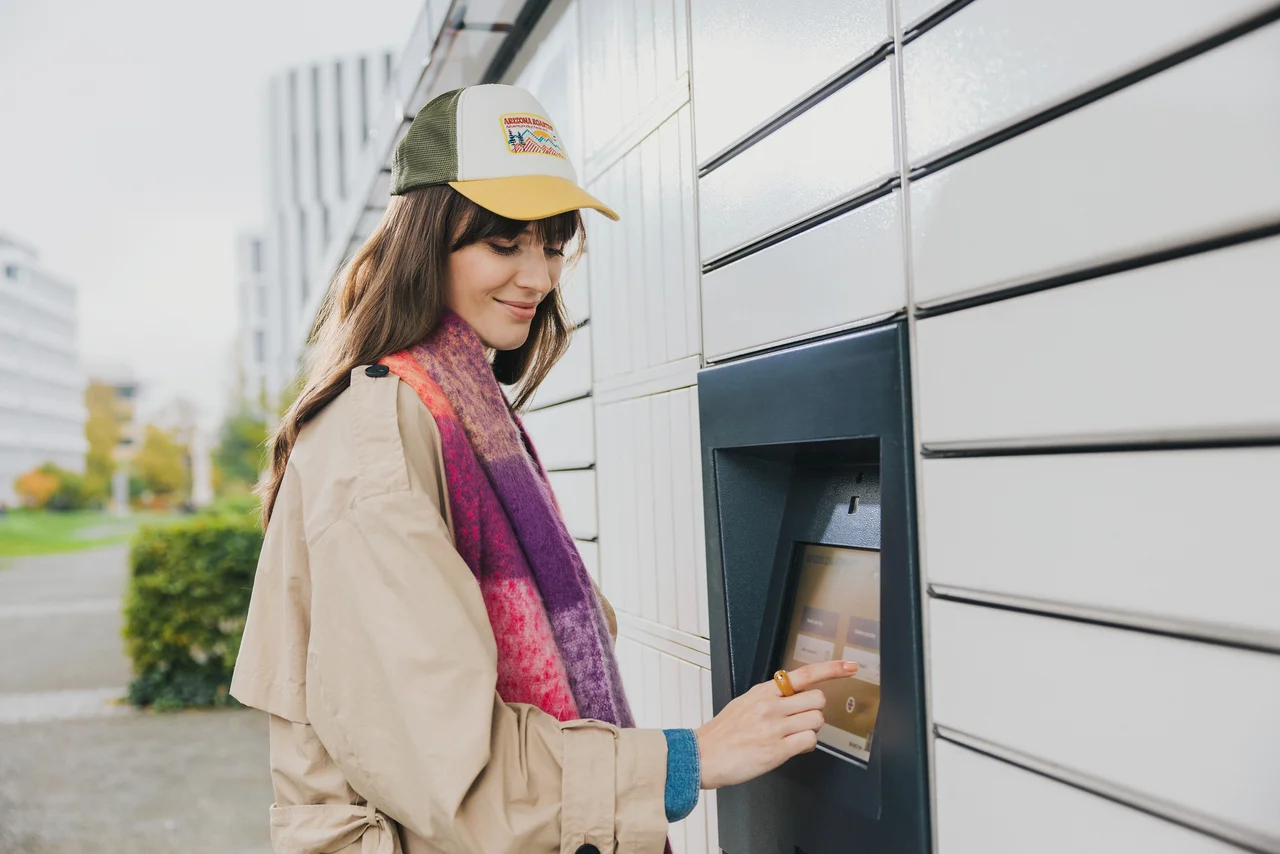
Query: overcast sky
{"type": "Point", "coordinates": [133, 149]}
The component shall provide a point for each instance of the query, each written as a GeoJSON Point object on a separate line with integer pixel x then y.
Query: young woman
{"type": "Point", "coordinates": [437, 664]}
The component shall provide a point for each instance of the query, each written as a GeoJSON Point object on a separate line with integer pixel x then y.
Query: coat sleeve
{"type": "Point", "coordinates": [401, 675]}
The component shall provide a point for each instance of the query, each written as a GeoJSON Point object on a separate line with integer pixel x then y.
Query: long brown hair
{"type": "Point", "coordinates": [391, 294]}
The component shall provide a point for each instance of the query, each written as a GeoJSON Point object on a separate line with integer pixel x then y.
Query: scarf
{"type": "Point", "coordinates": [554, 649]}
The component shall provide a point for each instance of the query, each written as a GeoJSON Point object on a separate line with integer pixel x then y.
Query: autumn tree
{"type": "Point", "coordinates": [161, 464]}
{"type": "Point", "coordinates": [102, 429]}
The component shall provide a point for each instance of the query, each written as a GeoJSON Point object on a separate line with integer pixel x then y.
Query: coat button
{"type": "Point", "coordinates": [588, 849]}
{"type": "Point", "coordinates": [377, 371]}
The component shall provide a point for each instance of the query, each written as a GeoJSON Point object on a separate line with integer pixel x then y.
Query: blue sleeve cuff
{"type": "Point", "coordinates": [684, 773]}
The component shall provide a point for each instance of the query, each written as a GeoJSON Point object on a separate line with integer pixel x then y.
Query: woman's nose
{"type": "Point", "coordinates": [535, 274]}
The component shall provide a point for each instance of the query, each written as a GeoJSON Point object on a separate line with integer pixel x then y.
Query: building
{"type": "Point", "coordinates": [260, 379]}
{"type": "Point", "coordinates": [321, 118]}
{"type": "Point", "coordinates": [42, 412]}
{"type": "Point", "coordinates": [1053, 205]}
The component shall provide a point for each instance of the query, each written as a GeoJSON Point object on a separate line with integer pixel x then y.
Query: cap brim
{"type": "Point", "coordinates": [530, 197]}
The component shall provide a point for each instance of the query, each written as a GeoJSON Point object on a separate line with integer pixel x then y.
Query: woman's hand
{"type": "Point", "coordinates": [760, 730]}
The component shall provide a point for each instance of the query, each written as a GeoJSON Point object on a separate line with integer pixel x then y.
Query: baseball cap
{"type": "Point", "coordinates": [495, 145]}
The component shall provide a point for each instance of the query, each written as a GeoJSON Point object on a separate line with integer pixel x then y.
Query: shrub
{"type": "Point", "coordinates": [185, 610]}
{"type": "Point", "coordinates": [51, 487]}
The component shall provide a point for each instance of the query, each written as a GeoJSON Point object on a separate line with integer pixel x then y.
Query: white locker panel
{"type": "Point", "coordinates": [691, 717]}
{"type": "Point", "coordinates": [1189, 723]}
{"type": "Point", "coordinates": [571, 377]}
{"type": "Point", "coordinates": [590, 558]}
{"type": "Point", "coordinates": [613, 474]}
{"type": "Point", "coordinates": [842, 271]}
{"type": "Point", "coordinates": [1130, 532]}
{"type": "Point", "coordinates": [644, 275]}
{"type": "Point", "coordinates": [633, 52]}
{"type": "Point", "coordinates": [997, 61]}
{"type": "Point", "coordinates": [1149, 350]}
{"type": "Point", "coordinates": [672, 718]}
{"type": "Point", "coordinates": [988, 806]}
{"type": "Point", "coordinates": [575, 492]}
{"type": "Point", "coordinates": [842, 144]}
{"type": "Point", "coordinates": [752, 58]}
{"type": "Point", "coordinates": [690, 580]}
{"type": "Point", "coordinates": [575, 288]}
{"type": "Point", "coordinates": [650, 501]}
{"type": "Point", "coordinates": [1179, 156]}
{"type": "Point", "coordinates": [664, 521]}
{"type": "Point", "coordinates": [564, 435]}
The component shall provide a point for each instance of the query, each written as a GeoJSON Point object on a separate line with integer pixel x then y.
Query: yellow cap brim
{"type": "Point", "coordinates": [530, 197]}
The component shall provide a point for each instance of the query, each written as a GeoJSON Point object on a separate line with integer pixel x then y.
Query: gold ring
{"type": "Point", "coordinates": [783, 681]}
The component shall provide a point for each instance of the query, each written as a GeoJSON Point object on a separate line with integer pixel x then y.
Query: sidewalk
{"type": "Point", "coordinates": [79, 773]}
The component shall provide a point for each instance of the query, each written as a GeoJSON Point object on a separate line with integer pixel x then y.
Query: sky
{"type": "Point", "coordinates": [133, 142]}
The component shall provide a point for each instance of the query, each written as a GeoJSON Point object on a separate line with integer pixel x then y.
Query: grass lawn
{"type": "Point", "coordinates": [33, 532]}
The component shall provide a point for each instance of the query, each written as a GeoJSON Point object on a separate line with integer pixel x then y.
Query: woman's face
{"type": "Point", "coordinates": [495, 285]}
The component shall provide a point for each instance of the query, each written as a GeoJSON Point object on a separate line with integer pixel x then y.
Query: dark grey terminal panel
{"type": "Point", "coordinates": [806, 459]}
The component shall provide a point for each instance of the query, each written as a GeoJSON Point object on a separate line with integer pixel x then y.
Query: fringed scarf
{"type": "Point", "coordinates": [554, 649]}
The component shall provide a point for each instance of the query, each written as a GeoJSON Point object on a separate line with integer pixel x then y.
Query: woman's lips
{"type": "Point", "coordinates": [521, 310]}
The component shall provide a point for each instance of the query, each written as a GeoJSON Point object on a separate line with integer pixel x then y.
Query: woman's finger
{"type": "Point", "coordinates": [804, 678]}
{"type": "Point", "coordinates": [804, 741]}
{"type": "Point", "coordinates": [811, 721]}
{"type": "Point", "coordinates": [803, 702]}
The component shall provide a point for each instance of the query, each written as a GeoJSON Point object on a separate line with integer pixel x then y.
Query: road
{"type": "Point", "coordinates": [81, 772]}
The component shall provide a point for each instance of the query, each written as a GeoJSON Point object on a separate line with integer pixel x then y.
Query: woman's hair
{"type": "Point", "coordinates": [391, 295]}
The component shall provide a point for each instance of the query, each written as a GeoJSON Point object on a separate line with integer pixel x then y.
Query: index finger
{"type": "Point", "coordinates": [804, 678]}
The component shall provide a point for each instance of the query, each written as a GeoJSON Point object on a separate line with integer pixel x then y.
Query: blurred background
{"type": "Point", "coordinates": [1071, 210]}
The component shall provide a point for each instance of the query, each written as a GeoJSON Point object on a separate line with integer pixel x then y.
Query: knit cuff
{"type": "Point", "coordinates": [684, 773]}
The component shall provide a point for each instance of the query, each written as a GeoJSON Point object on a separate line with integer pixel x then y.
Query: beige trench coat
{"type": "Point", "coordinates": [369, 645]}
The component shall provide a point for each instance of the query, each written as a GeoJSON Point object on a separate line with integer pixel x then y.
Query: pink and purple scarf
{"type": "Point", "coordinates": [554, 649]}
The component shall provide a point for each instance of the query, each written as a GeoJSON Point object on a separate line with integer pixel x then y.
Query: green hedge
{"type": "Point", "coordinates": [185, 611]}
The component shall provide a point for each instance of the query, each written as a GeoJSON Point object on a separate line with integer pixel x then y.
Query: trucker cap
{"type": "Point", "coordinates": [495, 145]}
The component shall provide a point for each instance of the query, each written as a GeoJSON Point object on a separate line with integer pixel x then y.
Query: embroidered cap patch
{"type": "Point", "coordinates": [530, 134]}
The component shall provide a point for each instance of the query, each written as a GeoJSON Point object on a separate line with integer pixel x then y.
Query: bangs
{"type": "Point", "coordinates": [481, 224]}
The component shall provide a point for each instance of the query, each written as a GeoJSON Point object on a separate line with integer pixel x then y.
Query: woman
{"type": "Point", "coordinates": [436, 662]}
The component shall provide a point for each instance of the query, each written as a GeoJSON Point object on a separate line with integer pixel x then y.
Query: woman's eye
{"type": "Point", "coordinates": [504, 250]}
{"type": "Point", "coordinates": [559, 253]}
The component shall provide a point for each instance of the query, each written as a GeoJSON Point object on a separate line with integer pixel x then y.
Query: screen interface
{"type": "Point", "coordinates": [836, 615]}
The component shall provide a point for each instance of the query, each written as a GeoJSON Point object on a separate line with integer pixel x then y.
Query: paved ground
{"type": "Point", "coordinates": [81, 773]}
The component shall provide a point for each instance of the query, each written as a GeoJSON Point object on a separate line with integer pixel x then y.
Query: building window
{"type": "Point", "coordinates": [386, 62]}
{"type": "Point", "coordinates": [262, 301]}
{"type": "Point", "coordinates": [11, 271]}
{"type": "Point", "coordinates": [315, 124]}
{"type": "Point", "coordinates": [293, 131]}
{"type": "Point", "coordinates": [342, 130]}
{"type": "Point", "coordinates": [260, 347]}
{"type": "Point", "coordinates": [303, 247]}
{"type": "Point", "coordinates": [256, 250]}
{"type": "Point", "coordinates": [364, 100]}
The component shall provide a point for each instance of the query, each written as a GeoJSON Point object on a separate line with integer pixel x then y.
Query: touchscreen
{"type": "Point", "coordinates": [836, 615]}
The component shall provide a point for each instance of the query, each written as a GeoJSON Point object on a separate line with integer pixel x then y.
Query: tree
{"type": "Point", "coordinates": [161, 464]}
{"type": "Point", "coordinates": [102, 429]}
{"type": "Point", "coordinates": [241, 452]}
{"type": "Point", "coordinates": [35, 488]}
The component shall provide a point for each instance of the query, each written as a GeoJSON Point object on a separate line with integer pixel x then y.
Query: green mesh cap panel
{"type": "Point", "coordinates": [428, 154]}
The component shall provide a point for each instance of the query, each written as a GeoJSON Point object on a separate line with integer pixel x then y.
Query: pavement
{"type": "Point", "coordinates": [82, 772]}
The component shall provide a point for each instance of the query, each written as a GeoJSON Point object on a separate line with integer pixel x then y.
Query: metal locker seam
{"type": "Point", "coordinates": [801, 105]}
{"type": "Point", "coordinates": [1121, 262]}
{"type": "Point", "coordinates": [1173, 813]}
{"type": "Point", "coordinates": [1020, 124]}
